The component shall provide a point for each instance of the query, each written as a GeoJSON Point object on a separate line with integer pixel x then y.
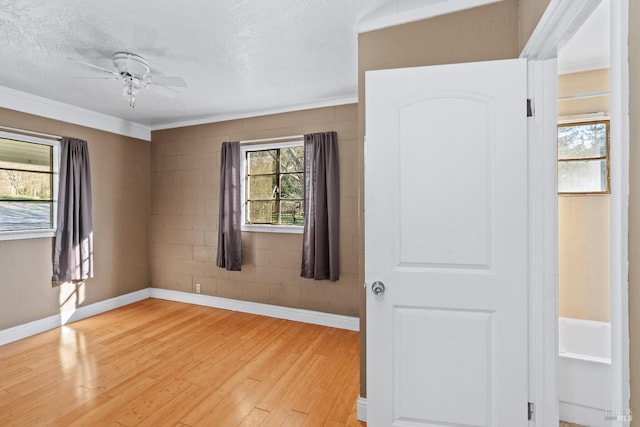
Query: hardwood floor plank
{"type": "Point", "coordinates": [157, 363]}
{"type": "Point", "coordinates": [255, 418]}
{"type": "Point", "coordinates": [177, 408]}
{"type": "Point", "coordinates": [234, 407]}
{"type": "Point", "coordinates": [295, 419]}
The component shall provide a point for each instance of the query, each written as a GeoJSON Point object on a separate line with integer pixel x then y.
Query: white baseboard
{"type": "Point", "coordinates": [306, 316]}
{"type": "Point", "coordinates": [583, 415]}
{"type": "Point", "coordinates": [37, 326]}
{"type": "Point", "coordinates": [295, 314]}
{"type": "Point", "coordinates": [361, 409]}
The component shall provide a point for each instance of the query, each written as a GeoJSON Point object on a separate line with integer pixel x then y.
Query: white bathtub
{"type": "Point", "coordinates": [584, 371]}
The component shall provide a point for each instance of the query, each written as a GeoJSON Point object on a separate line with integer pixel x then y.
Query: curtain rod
{"type": "Point", "coordinates": [279, 138]}
{"type": "Point", "coordinates": [30, 132]}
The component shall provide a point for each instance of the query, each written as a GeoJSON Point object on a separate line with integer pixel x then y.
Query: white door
{"type": "Point", "coordinates": [446, 233]}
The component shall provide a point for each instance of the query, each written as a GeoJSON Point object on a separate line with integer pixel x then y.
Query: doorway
{"type": "Point", "coordinates": [560, 22]}
{"type": "Point", "coordinates": [584, 200]}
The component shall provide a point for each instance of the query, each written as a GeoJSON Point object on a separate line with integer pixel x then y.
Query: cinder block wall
{"type": "Point", "coordinates": [120, 174]}
{"type": "Point", "coordinates": [185, 164]}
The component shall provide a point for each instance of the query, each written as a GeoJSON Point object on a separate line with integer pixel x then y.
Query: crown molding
{"type": "Point", "coordinates": [391, 16]}
{"type": "Point", "coordinates": [44, 107]}
{"type": "Point", "coordinates": [32, 104]}
{"type": "Point", "coordinates": [215, 118]}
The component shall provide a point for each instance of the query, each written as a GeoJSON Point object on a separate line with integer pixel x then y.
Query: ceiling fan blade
{"type": "Point", "coordinates": [97, 78]}
{"type": "Point", "coordinates": [106, 70]}
{"type": "Point", "coordinates": [175, 81]}
{"type": "Point", "coordinates": [166, 91]}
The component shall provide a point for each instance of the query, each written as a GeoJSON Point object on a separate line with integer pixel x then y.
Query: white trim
{"type": "Point", "coordinates": [559, 23]}
{"type": "Point", "coordinates": [16, 136]}
{"type": "Point", "coordinates": [277, 140]}
{"type": "Point", "coordinates": [361, 409]}
{"type": "Point", "coordinates": [594, 64]}
{"type": "Point", "coordinates": [26, 132]}
{"type": "Point", "coordinates": [584, 95]}
{"type": "Point", "coordinates": [55, 143]}
{"type": "Point", "coordinates": [287, 313]}
{"type": "Point", "coordinates": [216, 118]}
{"type": "Point", "coordinates": [619, 161]}
{"type": "Point", "coordinates": [295, 314]}
{"type": "Point", "coordinates": [543, 243]}
{"type": "Point", "coordinates": [28, 234]}
{"type": "Point", "coordinates": [44, 107]}
{"type": "Point", "coordinates": [272, 143]}
{"type": "Point", "coordinates": [583, 415]}
{"type": "Point", "coordinates": [254, 146]}
{"type": "Point", "coordinates": [581, 118]}
{"type": "Point", "coordinates": [391, 15]}
{"type": "Point", "coordinates": [561, 20]}
{"type": "Point", "coordinates": [37, 326]}
{"type": "Point", "coordinates": [266, 228]}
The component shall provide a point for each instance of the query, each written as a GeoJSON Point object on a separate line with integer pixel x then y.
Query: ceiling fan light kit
{"type": "Point", "coordinates": [133, 69]}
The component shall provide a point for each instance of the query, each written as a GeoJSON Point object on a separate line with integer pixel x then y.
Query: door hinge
{"type": "Point", "coordinates": [530, 409]}
{"type": "Point", "coordinates": [529, 108]}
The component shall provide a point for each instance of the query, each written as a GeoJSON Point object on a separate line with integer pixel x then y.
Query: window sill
{"type": "Point", "coordinates": [26, 234]}
{"type": "Point", "coordinates": [260, 228]}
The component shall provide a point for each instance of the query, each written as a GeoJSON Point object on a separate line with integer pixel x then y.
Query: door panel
{"type": "Point", "coordinates": [457, 345]}
{"type": "Point", "coordinates": [428, 144]}
{"type": "Point", "coordinates": [446, 232]}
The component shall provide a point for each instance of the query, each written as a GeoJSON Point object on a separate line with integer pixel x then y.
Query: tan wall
{"type": "Point", "coordinates": [634, 211]}
{"type": "Point", "coordinates": [583, 82]}
{"type": "Point", "coordinates": [583, 257]}
{"type": "Point", "coordinates": [583, 220]}
{"type": "Point", "coordinates": [120, 171]}
{"type": "Point", "coordinates": [185, 164]}
{"type": "Point", "coordinates": [530, 13]}
{"type": "Point", "coordinates": [480, 34]}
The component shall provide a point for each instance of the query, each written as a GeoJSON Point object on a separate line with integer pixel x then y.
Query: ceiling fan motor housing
{"type": "Point", "coordinates": [130, 64]}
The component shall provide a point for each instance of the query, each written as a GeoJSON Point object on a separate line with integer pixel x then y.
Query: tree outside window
{"type": "Point", "coordinates": [26, 182]}
{"type": "Point", "coordinates": [274, 186]}
{"type": "Point", "coordinates": [583, 158]}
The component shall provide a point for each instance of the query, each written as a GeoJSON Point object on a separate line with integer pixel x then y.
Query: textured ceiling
{"type": "Point", "coordinates": [236, 55]}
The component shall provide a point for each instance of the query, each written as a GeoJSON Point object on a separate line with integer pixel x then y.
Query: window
{"type": "Point", "coordinates": [583, 157]}
{"type": "Point", "coordinates": [28, 183]}
{"type": "Point", "coordinates": [273, 187]}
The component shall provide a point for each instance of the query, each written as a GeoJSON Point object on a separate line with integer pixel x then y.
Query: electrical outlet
{"type": "Point", "coordinates": [197, 288]}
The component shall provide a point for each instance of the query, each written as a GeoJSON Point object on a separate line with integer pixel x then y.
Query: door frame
{"type": "Point", "coordinates": [559, 23]}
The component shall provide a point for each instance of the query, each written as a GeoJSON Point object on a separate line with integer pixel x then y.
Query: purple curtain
{"type": "Point", "coordinates": [321, 239]}
{"type": "Point", "coordinates": [73, 251]}
{"type": "Point", "coordinates": [229, 218]}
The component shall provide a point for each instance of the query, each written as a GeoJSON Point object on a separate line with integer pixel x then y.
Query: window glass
{"type": "Point", "coordinates": [274, 185]}
{"type": "Point", "coordinates": [26, 185]}
{"type": "Point", "coordinates": [292, 159]}
{"type": "Point", "coordinates": [583, 164]}
{"type": "Point", "coordinates": [261, 162]}
{"type": "Point", "coordinates": [582, 176]}
{"type": "Point", "coordinates": [582, 141]}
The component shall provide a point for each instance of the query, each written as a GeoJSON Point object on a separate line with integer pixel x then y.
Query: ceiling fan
{"type": "Point", "coordinates": [134, 71]}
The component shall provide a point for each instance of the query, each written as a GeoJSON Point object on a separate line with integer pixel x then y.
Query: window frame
{"type": "Point", "coordinates": [607, 122]}
{"type": "Point", "coordinates": [267, 228]}
{"type": "Point", "coordinates": [43, 232]}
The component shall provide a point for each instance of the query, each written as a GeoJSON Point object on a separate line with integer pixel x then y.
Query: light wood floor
{"type": "Point", "coordinates": [157, 363]}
